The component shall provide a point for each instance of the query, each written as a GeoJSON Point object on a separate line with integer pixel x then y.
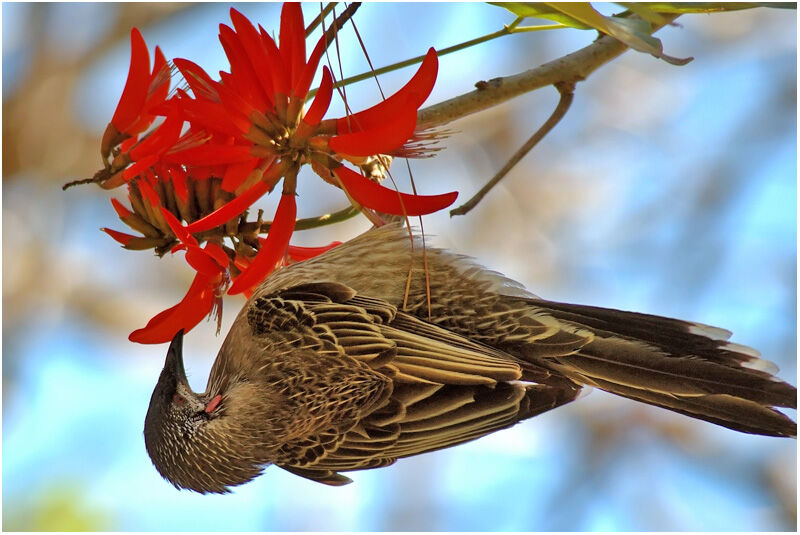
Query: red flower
{"type": "Point", "coordinates": [231, 209]}
{"type": "Point", "coordinates": [272, 248]}
{"type": "Point", "coordinates": [205, 292]}
{"type": "Point", "coordinates": [144, 91]}
{"type": "Point", "coordinates": [196, 305]}
{"type": "Point", "coordinates": [121, 237]}
{"type": "Point", "coordinates": [265, 91]}
{"type": "Point", "coordinates": [382, 199]}
{"type": "Point", "coordinates": [409, 97]}
{"type": "Point", "coordinates": [226, 142]}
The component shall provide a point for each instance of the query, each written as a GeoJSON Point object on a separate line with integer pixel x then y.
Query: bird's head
{"type": "Point", "coordinates": [191, 438]}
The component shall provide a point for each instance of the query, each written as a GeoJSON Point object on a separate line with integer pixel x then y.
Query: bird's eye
{"type": "Point", "coordinates": [178, 399]}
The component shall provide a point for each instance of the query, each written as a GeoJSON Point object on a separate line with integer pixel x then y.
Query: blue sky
{"type": "Point", "coordinates": [669, 190]}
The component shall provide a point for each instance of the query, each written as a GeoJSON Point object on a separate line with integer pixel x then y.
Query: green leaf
{"type": "Point", "coordinates": [633, 32]}
{"type": "Point", "coordinates": [708, 7]}
{"type": "Point", "coordinates": [644, 12]}
{"type": "Point", "coordinates": [538, 10]}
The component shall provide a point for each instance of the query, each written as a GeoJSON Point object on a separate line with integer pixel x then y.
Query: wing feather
{"type": "Point", "coordinates": [446, 388]}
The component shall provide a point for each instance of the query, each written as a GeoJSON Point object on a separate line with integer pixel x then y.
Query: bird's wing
{"type": "Point", "coordinates": [445, 388]}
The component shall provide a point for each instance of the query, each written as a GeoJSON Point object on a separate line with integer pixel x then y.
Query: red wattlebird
{"type": "Point", "coordinates": [325, 371]}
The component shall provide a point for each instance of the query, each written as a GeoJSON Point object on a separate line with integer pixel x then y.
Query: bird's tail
{"type": "Point", "coordinates": [681, 366]}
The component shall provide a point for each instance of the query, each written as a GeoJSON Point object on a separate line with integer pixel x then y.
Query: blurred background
{"type": "Point", "coordinates": [668, 190]}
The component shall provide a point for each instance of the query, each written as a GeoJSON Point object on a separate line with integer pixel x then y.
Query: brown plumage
{"type": "Point", "coordinates": [323, 371]}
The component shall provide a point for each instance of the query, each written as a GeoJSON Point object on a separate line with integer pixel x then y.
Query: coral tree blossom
{"type": "Point", "coordinates": [224, 143]}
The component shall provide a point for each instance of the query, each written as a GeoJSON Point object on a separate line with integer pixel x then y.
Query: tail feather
{"type": "Point", "coordinates": [674, 336]}
{"type": "Point", "coordinates": [681, 366]}
{"type": "Point", "coordinates": [721, 409]}
{"type": "Point", "coordinates": [640, 366]}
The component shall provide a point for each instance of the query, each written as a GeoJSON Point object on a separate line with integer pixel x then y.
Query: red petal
{"type": "Point", "coordinates": [218, 254]}
{"type": "Point", "coordinates": [149, 193]}
{"type": "Point", "coordinates": [256, 52]}
{"type": "Point", "coordinates": [379, 139]}
{"type": "Point", "coordinates": [178, 176]}
{"type": "Point", "coordinates": [231, 97]}
{"type": "Point", "coordinates": [303, 83]}
{"type": "Point", "coordinates": [241, 262]}
{"type": "Point", "coordinates": [298, 254]}
{"type": "Point", "coordinates": [210, 154]}
{"type": "Point", "coordinates": [116, 180]}
{"type": "Point", "coordinates": [202, 262]}
{"type": "Point", "coordinates": [139, 167]}
{"type": "Point", "coordinates": [195, 137]}
{"type": "Point", "coordinates": [205, 172]}
{"type": "Point", "coordinates": [159, 81]}
{"type": "Point", "coordinates": [157, 92]}
{"type": "Point", "coordinates": [151, 178]}
{"type": "Point", "coordinates": [121, 237]}
{"type": "Point", "coordinates": [141, 124]}
{"type": "Point", "coordinates": [281, 76]}
{"type": "Point", "coordinates": [231, 209]}
{"type": "Point", "coordinates": [162, 138]}
{"type": "Point", "coordinates": [367, 193]}
{"type": "Point", "coordinates": [213, 117]}
{"type": "Point", "coordinates": [181, 232]}
{"type": "Point", "coordinates": [199, 81]}
{"type": "Point", "coordinates": [236, 173]}
{"type": "Point", "coordinates": [128, 143]}
{"type": "Point", "coordinates": [135, 91]}
{"type": "Point", "coordinates": [121, 210]}
{"type": "Point", "coordinates": [293, 40]}
{"type": "Point", "coordinates": [185, 315]}
{"type": "Point", "coordinates": [272, 248]}
{"type": "Point", "coordinates": [321, 100]}
{"type": "Point", "coordinates": [245, 80]}
{"type": "Point", "coordinates": [413, 94]}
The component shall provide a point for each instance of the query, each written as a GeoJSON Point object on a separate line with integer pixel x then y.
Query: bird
{"type": "Point", "coordinates": [381, 349]}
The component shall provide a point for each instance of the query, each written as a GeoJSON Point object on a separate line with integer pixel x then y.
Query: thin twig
{"type": "Point", "coordinates": [567, 91]}
{"type": "Point", "coordinates": [424, 247]}
{"type": "Point", "coordinates": [511, 29]}
{"type": "Point", "coordinates": [573, 67]}
{"type": "Point", "coordinates": [369, 61]}
{"type": "Point", "coordinates": [333, 32]}
{"type": "Point", "coordinates": [256, 227]}
{"type": "Point", "coordinates": [318, 221]}
{"type": "Point", "coordinates": [322, 14]}
{"type": "Point", "coordinates": [339, 22]}
{"type": "Point", "coordinates": [79, 182]}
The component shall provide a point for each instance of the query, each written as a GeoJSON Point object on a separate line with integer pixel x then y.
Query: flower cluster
{"type": "Point", "coordinates": [225, 143]}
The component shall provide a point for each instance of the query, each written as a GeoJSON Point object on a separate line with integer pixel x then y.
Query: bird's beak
{"type": "Point", "coordinates": [174, 362]}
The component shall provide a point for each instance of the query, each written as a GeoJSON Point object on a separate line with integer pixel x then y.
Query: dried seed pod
{"type": "Point", "coordinates": [202, 189]}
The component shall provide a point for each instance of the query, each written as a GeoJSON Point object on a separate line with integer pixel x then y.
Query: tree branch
{"type": "Point", "coordinates": [566, 90]}
{"type": "Point", "coordinates": [571, 68]}
{"type": "Point", "coordinates": [338, 23]}
{"type": "Point", "coordinates": [322, 14]}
